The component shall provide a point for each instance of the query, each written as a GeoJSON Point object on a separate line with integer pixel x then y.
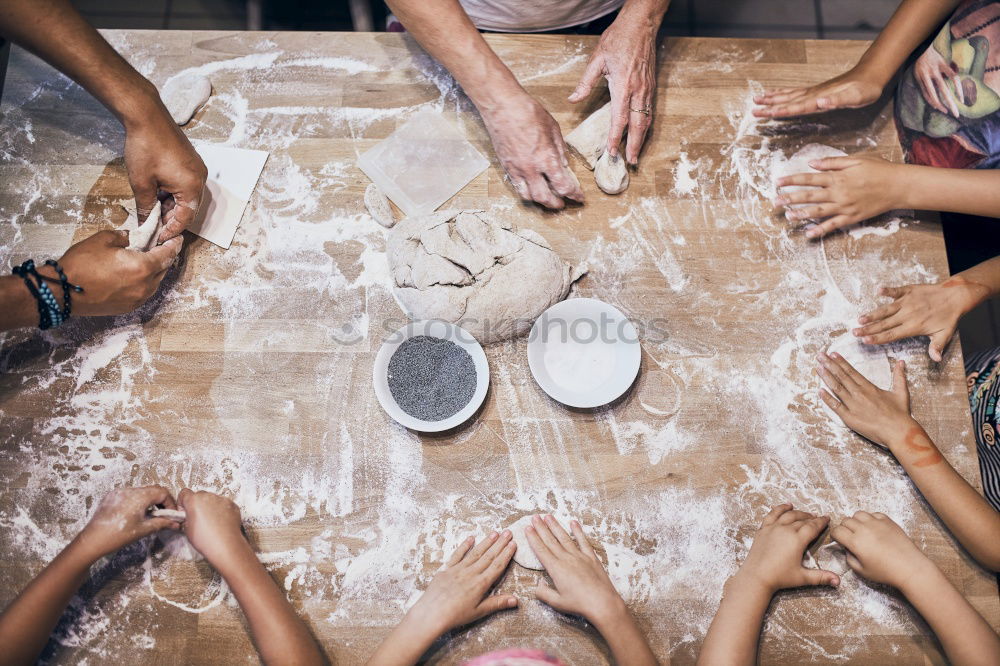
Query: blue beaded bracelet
{"type": "Point", "coordinates": [50, 315]}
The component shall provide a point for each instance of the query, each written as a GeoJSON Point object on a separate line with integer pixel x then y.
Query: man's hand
{"type": "Point", "coordinates": [921, 309]}
{"type": "Point", "coordinates": [878, 549]}
{"type": "Point", "coordinates": [626, 56]}
{"type": "Point", "coordinates": [531, 150]}
{"type": "Point", "coordinates": [775, 558]}
{"type": "Point", "coordinates": [850, 90]}
{"type": "Point", "coordinates": [115, 280]}
{"type": "Point", "coordinates": [213, 526]}
{"type": "Point", "coordinates": [121, 518]}
{"type": "Point", "coordinates": [850, 190]}
{"type": "Point", "coordinates": [160, 158]}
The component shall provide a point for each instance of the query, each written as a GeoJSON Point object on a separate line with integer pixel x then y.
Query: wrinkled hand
{"type": "Point", "coordinates": [531, 150]}
{"type": "Point", "coordinates": [121, 518]}
{"type": "Point", "coordinates": [775, 558]}
{"type": "Point", "coordinates": [880, 416]}
{"type": "Point", "coordinates": [213, 525]}
{"type": "Point", "coordinates": [160, 158]}
{"type": "Point", "coordinates": [920, 309]}
{"type": "Point", "coordinates": [626, 57]}
{"type": "Point", "coordinates": [932, 73]}
{"type": "Point", "coordinates": [850, 90]}
{"type": "Point", "coordinates": [582, 585]}
{"type": "Point", "coordinates": [878, 549]}
{"type": "Point", "coordinates": [457, 595]}
{"type": "Point", "coordinates": [850, 190]}
{"type": "Point", "coordinates": [115, 280]}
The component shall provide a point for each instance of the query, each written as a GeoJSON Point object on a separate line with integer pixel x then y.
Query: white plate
{"type": "Point", "coordinates": [435, 329]}
{"type": "Point", "coordinates": [584, 352]}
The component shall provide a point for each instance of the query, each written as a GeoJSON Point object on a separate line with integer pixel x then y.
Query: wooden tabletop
{"type": "Point", "coordinates": [249, 374]}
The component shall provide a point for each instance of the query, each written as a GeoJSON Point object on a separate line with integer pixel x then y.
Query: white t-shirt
{"type": "Point", "coordinates": [535, 15]}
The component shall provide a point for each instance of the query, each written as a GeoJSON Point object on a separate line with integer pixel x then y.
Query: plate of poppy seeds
{"type": "Point", "coordinates": [431, 375]}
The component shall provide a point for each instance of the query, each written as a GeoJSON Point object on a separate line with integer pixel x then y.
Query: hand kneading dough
{"type": "Point", "coordinates": [378, 206]}
{"type": "Point", "coordinates": [611, 174]}
{"type": "Point", "coordinates": [591, 137]}
{"type": "Point", "coordinates": [143, 237]}
{"type": "Point", "coordinates": [524, 555]}
{"type": "Point", "coordinates": [799, 163]}
{"type": "Point", "coordinates": [185, 94]}
{"type": "Point", "coordinates": [869, 360]}
{"type": "Point", "coordinates": [489, 277]}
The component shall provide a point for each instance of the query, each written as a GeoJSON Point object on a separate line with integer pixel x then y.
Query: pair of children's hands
{"type": "Point", "coordinates": [459, 593]}
{"type": "Point", "coordinates": [877, 548]}
{"type": "Point", "coordinates": [212, 524]}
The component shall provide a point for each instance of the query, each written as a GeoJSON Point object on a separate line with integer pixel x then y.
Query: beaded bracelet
{"type": "Point", "coordinates": [49, 313]}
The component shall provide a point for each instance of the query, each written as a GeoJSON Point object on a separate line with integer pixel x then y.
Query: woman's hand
{"type": "Point", "coordinates": [850, 90]}
{"type": "Point", "coordinates": [850, 190]}
{"type": "Point", "coordinates": [122, 518]}
{"type": "Point", "coordinates": [626, 56]}
{"type": "Point", "coordinates": [921, 309]}
{"type": "Point", "coordinates": [775, 558]}
{"type": "Point", "coordinates": [877, 415]}
{"type": "Point", "coordinates": [932, 73]}
{"type": "Point", "coordinates": [878, 549]}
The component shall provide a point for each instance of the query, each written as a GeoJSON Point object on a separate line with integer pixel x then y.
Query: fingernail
{"type": "Point", "coordinates": [867, 340]}
{"type": "Point", "coordinates": [493, 536]}
{"type": "Point", "coordinates": [812, 233]}
{"type": "Point", "coordinates": [505, 533]}
{"type": "Point", "coordinates": [511, 602]}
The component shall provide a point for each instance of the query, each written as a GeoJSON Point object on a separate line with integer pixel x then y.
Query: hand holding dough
{"type": "Point", "coordinates": [611, 174]}
{"type": "Point", "coordinates": [143, 237]}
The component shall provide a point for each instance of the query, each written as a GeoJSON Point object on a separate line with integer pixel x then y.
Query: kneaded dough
{"type": "Point", "coordinates": [870, 360]}
{"type": "Point", "coordinates": [611, 174]}
{"type": "Point", "coordinates": [799, 163]}
{"type": "Point", "coordinates": [169, 514]}
{"type": "Point", "coordinates": [591, 136]}
{"type": "Point", "coordinates": [184, 94]}
{"type": "Point", "coordinates": [176, 545]}
{"type": "Point", "coordinates": [143, 237]}
{"type": "Point", "coordinates": [378, 206]}
{"type": "Point", "coordinates": [524, 555]}
{"type": "Point", "coordinates": [468, 268]}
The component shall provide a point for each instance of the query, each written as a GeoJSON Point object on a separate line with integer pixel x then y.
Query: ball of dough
{"type": "Point", "coordinates": [184, 94]}
{"type": "Point", "coordinates": [611, 174]}
{"type": "Point", "coordinates": [524, 555]}
{"type": "Point", "coordinates": [483, 274]}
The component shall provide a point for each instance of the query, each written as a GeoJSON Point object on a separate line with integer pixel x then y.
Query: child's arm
{"type": "Point", "coordinates": [863, 84]}
{"type": "Point", "coordinates": [930, 309]}
{"type": "Point", "coordinates": [582, 587]}
{"type": "Point", "coordinates": [880, 551]}
{"type": "Point", "coordinates": [884, 418]}
{"type": "Point", "coordinates": [774, 563]}
{"type": "Point", "coordinates": [213, 527]}
{"type": "Point", "coordinates": [121, 518]}
{"type": "Point", "coordinates": [852, 189]}
{"type": "Point", "coordinates": [458, 595]}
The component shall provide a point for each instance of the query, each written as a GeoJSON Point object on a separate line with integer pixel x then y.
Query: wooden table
{"type": "Point", "coordinates": [250, 373]}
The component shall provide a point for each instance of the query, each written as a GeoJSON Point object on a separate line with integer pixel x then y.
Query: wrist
{"type": "Point", "coordinates": [899, 433]}
{"type": "Point", "coordinates": [142, 108]}
{"type": "Point", "coordinates": [965, 293]}
{"type": "Point", "coordinates": [644, 13]}
{"type": "Point", "coordinates": [18, 305]}
{"type": "Point", "coordinates": [611, 616]}
{"type": "Point", "coordinates": [918, 574]}
{"type": "Point", "coordinates": [745, 582]}
{"type": "Point", "coordinates": [230, 556]}
{"type": "Point", "coordinates": [83, 551]}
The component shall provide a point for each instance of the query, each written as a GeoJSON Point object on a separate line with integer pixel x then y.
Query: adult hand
{"type": "Point", "coordinates": [213, 525]}
{"type": "Point", "coordinates": [159, 157]}
{"type": "Point", "coordinates": [880, 416]}
{"type": "Point", "coordinates": [531, 150]}
{"type": "Point", "coordinates": [775, 558]}
{"type": "Point", "coordinates": [626, 57]}
{"type": "Point", "coordinates": [850, 90]}
{"type": "Point", "coordinates": [878, 549]}
{"type": "Point", "coordinates": [921, 309]}
{"type": "Point", "coordinates": [850, 190]}
{"type": "Point", "coordinates": [458, 593]}
{"type": "Point", "coordinates": [121, 518]}
{"type": "Point", "coordinates": [932, 73]}
{"type": "Point", "coordinates": [582, 585]}
{"type": "Point", "coordinates": [115, 279]}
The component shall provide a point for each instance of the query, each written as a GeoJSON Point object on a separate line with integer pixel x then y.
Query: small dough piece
{"type": "Point", "coordinates": [170, 514]}
{"type": "Point", "coordinates": [799, 163]}
{"type": "Point", "coordinates": [524, 555]}
{"type": "Point", "coordinates": [143, 237]}
{"type": "Point", "coordinates": [590, 137]}
{"type": "Point", "coordinates": [611, 174]}
{"type": "Point", "coordinates": [378, 206]}
{"type": "Point", "coordinates": [184, 94]}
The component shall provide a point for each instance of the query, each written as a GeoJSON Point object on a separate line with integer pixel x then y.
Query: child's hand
{"type": "Point", "coordinates": [458, 593]}
{"type": "Point", "coordinates": [581, 584]}
{"type": "Point", "coordinates": [213, 525]}
{"type": "Point", "coordinates": [920, 309]}
{"type": "Point", "coordinates": [932, 73]}
{"type": "Point", "coordinates": [775, 558]}
{"type": "Point", "coordinates": [850, 90]}
{"type": "Point", "coordinates": [880, 416]}
{"type": "Point", "coordinates": [878, 549]}
{"type": "Point", "coordinates": [850, 190]}
{"type": "Point", "coordinates": [121, 518]}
